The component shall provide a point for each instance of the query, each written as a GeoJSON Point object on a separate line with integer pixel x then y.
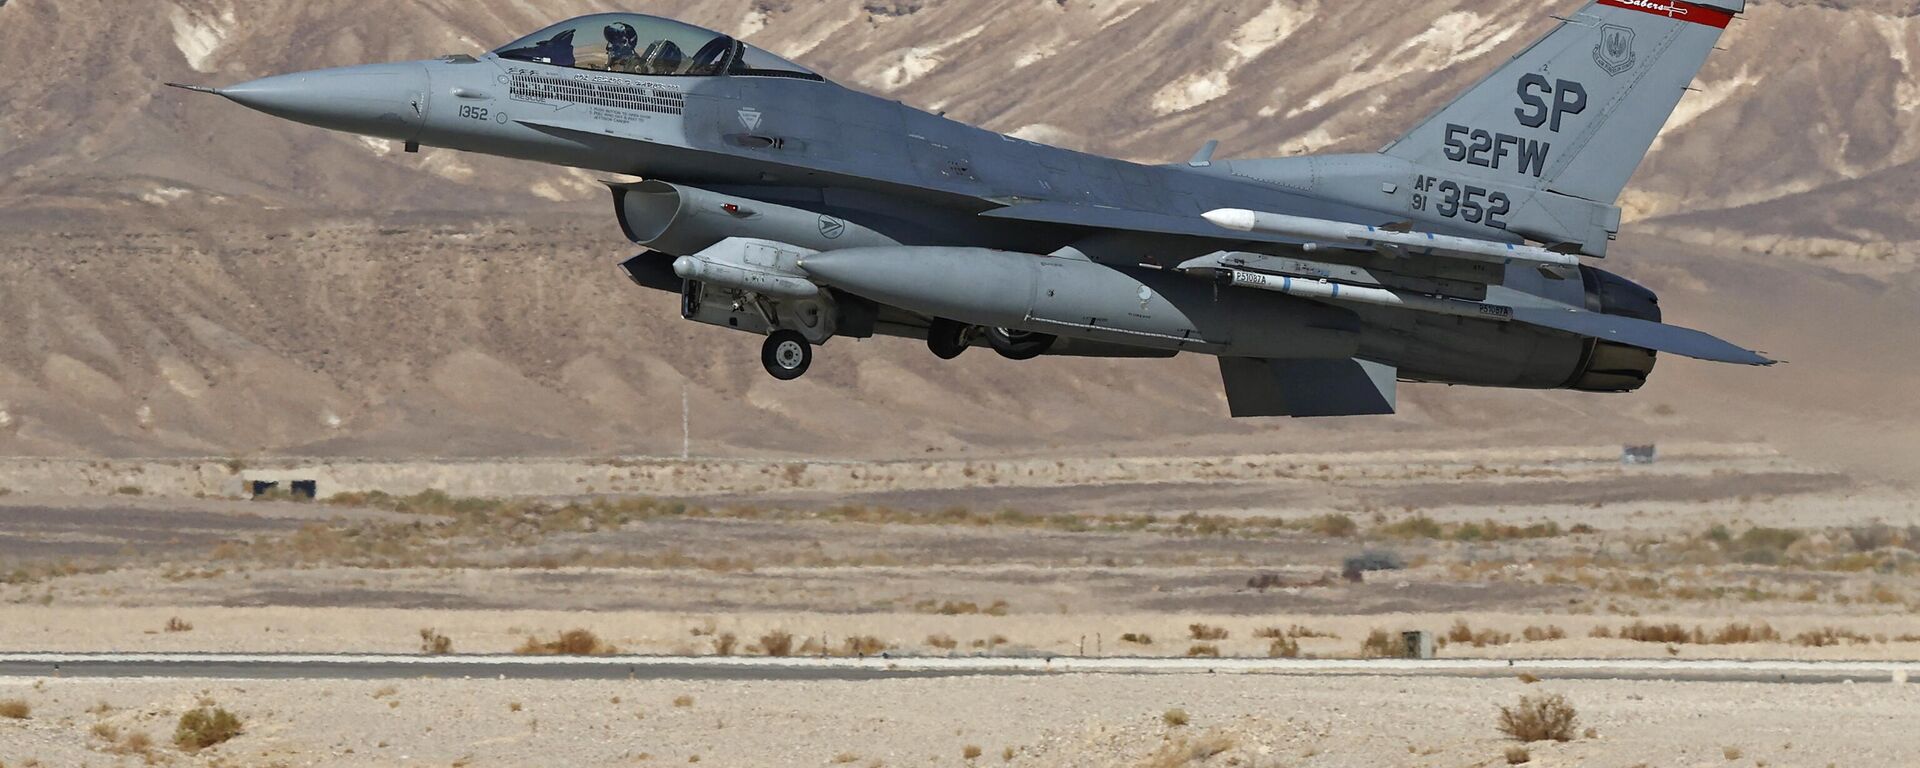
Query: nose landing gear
{"type": "Point", "coordinates": [787, 355]}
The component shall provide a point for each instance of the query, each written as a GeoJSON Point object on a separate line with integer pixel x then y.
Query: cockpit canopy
{"type": "Point", "coordinates": [648, 45]}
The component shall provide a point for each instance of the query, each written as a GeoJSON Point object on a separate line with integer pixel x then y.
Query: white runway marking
{"type": "Point", "coordinates": [352, 666]}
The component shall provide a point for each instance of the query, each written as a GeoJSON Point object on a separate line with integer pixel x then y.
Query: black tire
{"type": "Point", "coordinates": [787, 355]}
{"type": "Point", "coordinates": [1020, 345]}
{"type": "Point", "coordinates": [947, 339]}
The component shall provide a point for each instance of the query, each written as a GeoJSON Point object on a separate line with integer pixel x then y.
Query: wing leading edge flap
{"type": "Point", "coordinates": [1308, 388]}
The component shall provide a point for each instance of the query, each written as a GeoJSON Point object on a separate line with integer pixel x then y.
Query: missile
{"type": "Point", "coordinates": [1412, 243]}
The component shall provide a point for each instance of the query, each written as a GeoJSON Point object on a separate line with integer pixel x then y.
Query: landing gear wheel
{"type": "Point", "coordinates": [948, 338]}
{"type": "Point", "coordinates": [1019, 345]}
{"type": "Point", "coordinates": [786, 355]}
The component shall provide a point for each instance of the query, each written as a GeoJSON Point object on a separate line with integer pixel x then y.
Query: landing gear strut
{"type": "Point", "coordinates": [948, 338]}
{"type": "Point", "coordinates": [786, 355]}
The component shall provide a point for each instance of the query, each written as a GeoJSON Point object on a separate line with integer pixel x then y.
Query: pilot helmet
{"type": "Point", "coordinates": [623, 41]}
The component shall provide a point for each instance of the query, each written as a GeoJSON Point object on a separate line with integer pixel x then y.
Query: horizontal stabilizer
{"type": "Point", "coordinates": [1308, 388]}
{"type": "Point", "coordinates": [1644, 334]}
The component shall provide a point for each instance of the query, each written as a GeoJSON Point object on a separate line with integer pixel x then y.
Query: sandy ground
{"type": "Point", "coordinates": [1054, 721]}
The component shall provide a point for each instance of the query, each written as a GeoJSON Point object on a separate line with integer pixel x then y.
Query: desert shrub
{"type": "Point", "coordinates": [205, 727]}
{"type": "Point", "coordinates": [1283, 648]}
{"type": "Point", "coordinates": [866, 645]}
{"type": "Point", "coordinates": [1826, 637]}
{"type": "Point", "coordinates": [1417, 527]}
{"type": "Point", "coordinates": [136, 743]}
{"type": "Point", "coordinates": [1137, 638]}
{"type": "Point", "coordinates": [1739, 634]}
{"type": "Point", "coordinates": [1539, 718]}
{"type": "Point", "coordinates": [1188, 751]}
{"type": "Point", "coordinates": [1543, 634]}
{"type": "Point", "coordinates": [1206, 632]}
{"type": "Point", "coordinates": [724, 644]}
{"type": "Point", "coordinates": [15, 709]}
{"type": "Point", "coordinates": [1333, 525]}
{"type": "Point", "coordinates": [942, 642]}
{"type": "Point", "coordinates": [1601, 632]}
{"type": "Point", "coordinates": [970, 752]}
{"type": "Point", "coordinates": [1642, 632]}
{"type": "Point", "coordinates": [433, 643]}
{"type": "Point", "coordinates": [1518, 756]}
{"type": "Point", "coordinates": [573, 642]}
{"type": "Point", "coordinates": [1174, 717]}
{"type": "Point", "coordinates": [1203, 649]}
{"type": "Point", "coordinates": [683, 701]}
{"type": "Point", "coordinates": [1381, 644]}
{"type": "Point", "coordinates": [130, 490]}
{"type": "Point", "coordinates": [777, 643]}
{"type": "Point", "coordinates": [1463, 634]}
{"type": "Point", "coordinates": [176, 624]}
{"type": "Point", "coordinates": [1731, 753]}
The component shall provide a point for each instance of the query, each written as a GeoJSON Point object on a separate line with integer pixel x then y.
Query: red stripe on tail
{"type": "Point", "coordinates": [1677, 9]}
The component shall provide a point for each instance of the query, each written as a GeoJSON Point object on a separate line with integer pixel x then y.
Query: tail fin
{"type": "Point", "coordinates": [1576, 113]}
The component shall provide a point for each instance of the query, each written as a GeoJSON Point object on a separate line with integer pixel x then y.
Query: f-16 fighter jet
{"type": "Point", "coordinates": [778, 203]}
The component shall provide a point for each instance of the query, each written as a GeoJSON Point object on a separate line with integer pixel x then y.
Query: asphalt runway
{"type": "Point", "coordinates": [375, 667]}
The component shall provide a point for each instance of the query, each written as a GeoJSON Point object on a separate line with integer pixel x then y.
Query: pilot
{"type": "Point", "coordinates": [623, 48]}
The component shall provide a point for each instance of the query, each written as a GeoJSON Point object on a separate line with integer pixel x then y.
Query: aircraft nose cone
{"type": "Point", "coordinates": [386, 100]}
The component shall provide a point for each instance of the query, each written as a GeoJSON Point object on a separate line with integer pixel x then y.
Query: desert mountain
{"type": "Point", "coordinates": [181, 276]}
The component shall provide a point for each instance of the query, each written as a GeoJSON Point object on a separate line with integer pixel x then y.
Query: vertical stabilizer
{"type": "Point", "coordinates": [1576, 113]}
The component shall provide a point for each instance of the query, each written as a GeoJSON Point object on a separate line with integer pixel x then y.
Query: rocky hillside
{"type": "Point", "coordinates": [183, 276]}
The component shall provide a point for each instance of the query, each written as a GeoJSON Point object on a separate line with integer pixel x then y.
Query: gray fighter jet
{"type": "Point", "coordinates": [778, 203]}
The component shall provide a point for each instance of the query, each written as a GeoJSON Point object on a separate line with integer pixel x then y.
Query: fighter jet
{"type": "Point", "coordinates": [776, 202]}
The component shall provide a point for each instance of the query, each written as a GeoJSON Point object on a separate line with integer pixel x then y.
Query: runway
{"type": "Point", "coordinates": [377, 667]}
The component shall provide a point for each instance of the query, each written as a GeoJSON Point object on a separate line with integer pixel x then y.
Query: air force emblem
{"type": "Point", "coordinates": [1614, 53]}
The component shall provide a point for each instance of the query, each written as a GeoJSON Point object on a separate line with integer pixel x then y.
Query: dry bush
{"type": "Point", "coordinates": [866, 645]}
{"type": "Point", "coordinates": [683, 701]}
{"type": "Point", "coordinates": [15, 709]}
{"type": "Point", "coordinates": [1283, 648]}
{"type": "Point", "coordinates": [1203, 649]}
{"type": "Point", "coordinates": [136, 743]}
{"type": "Point", "coordinates": [1381, 644]}
{"type": "Point", "coordinates": [1601, 632]}
{"type": "Point", "coordinates": [1137, 638]}
{"type": "Point", "coordinates": [942, 642]}
{"type": "Point", "coordinates": [176, 624]}
{"type": "Point", "coordinates": [1185, 751]}
{"type": "Point", "coordinates": [1543, 634]}
{"type": "Point", "coordinates": [1539, 718]}
{"type": "Point", "coordinates": [514, 706]}
{"type": "Point", "coordinates": [1732, 753]}
{"type": "Point", "coordinates": [433, 643]}
{"type": "Point", "coordinates": [205, 727]}
{"type": "Point", "coordinates": [1205, 632]}
{"type": "Point", "coordinates": [573, 642]}
{"type": "Point", "coordinates": [777, 643]}
{"type": "Point", "coordinates": [1826, 637]}
{"type": "Point", "coordinates": [1518, 756]}
{"type": "Point", "coordinates": [724, 644]}
{"type": "Point", "coordinates": [1006, 755]}
{"type": "Point", "coordinates": [845, 757]}
{"type": "Point", "coordinates": [1740, 634]}
{"type": "Point", "coordinates": [1642, 632]}
{"type": "Point", "coordinates": [970, 752]}
{"type": "Point", "coordinates": [105, 732]}
{"type": "Point", "coordinates": [1174, 717]}
{"type": "Point", "coordinates": [1528, 678]}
